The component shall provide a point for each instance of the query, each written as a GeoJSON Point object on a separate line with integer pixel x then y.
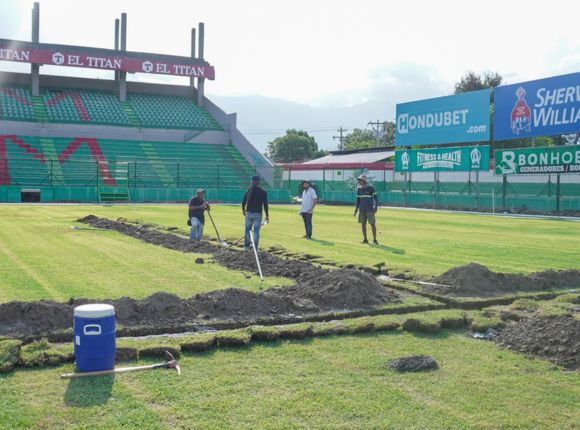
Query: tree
{"type": "Point", "coordinates": [360, 139]}
{"type": "Point", "coordinates": [384, 135]}
{"type": "Point", "coordinates": [294, 146]}
{"type": "Point", "coordinates": [473, 82]}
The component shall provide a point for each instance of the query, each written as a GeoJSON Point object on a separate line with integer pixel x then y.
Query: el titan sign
{"type": "Point", "coordinates": [106, 59]}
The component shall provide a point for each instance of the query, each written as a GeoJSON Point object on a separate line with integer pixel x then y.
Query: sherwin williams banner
{"type": "Point", "coordinates": [451, 119]}
{"type": "Point", "coordinates": [552, 159]}
{"type": "Point", "coordinates": [459, 159]}
{"type": "Point", "coordinates": [537, 108]}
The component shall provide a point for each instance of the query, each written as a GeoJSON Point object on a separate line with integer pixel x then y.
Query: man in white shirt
{"type": "Point", "coordinates": [309, 200]}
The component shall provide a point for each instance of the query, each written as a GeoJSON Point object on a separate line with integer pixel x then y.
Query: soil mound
{"type": "Point", "coordinates": [416, 363]}
{"type": "Point", "coordinates": [556, 339]}
{"type": "Point", "coordinates": [21, 317]}
{"type": "Point", "coordinates": [338, 289]}
{"type": "Point", "coordinates": [475, 280]}
{"type": "Point", "coordinates": [272, 265]}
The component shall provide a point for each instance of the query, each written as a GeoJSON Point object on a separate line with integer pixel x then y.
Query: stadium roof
{"type": "Point", "coordinates": [370, 155]}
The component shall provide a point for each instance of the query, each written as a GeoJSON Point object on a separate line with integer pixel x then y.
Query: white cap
{"type": "Point", "coordinates": [95, 310]}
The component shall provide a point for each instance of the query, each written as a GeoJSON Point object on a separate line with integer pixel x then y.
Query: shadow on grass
{"type": "Point", "coordinates": [89, 391]}
{"type": "Point", "coordinates": [390, 249]}
{"type": "Point", "coordinates": [322, 242]}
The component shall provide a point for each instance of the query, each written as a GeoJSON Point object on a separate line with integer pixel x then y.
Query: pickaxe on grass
{"type": "Point", "coordinates": [169, 363]}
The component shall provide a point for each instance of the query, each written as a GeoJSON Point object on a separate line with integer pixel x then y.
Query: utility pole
{"type": "Point", "coordinates": [340, 137]}
{"type": "Point", "coordinates": [376, 126]}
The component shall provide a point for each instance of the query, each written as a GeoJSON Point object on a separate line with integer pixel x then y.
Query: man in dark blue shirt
{"type": "Point", "coordinates": [197, 207]}
{"type": "Point", "coordinates": [367, 204]}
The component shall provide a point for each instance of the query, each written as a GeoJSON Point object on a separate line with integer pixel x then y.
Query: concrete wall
{"type": "Point", "coordinates": [229, 122]}
{"type": "Point", "coordinates": [109, 132]}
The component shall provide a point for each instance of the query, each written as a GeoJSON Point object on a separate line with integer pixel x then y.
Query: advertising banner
{"type": "Point", "coordinates": [458, 159]}
{"type": "Point", "coordinates": [116, 62]}
{"type": "Point", "coordinates": [552, 159]}
{"type": "Point", "coordinates": [451, 119]}
{"type": "Point", "coordinates": [537, 108]}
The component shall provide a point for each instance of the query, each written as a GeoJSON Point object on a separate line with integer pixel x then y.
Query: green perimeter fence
{"type": "Point", "coordinates": [146, 181]}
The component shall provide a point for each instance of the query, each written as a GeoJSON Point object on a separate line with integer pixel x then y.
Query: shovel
{"type": "Point", "coordinates": [169, 363]}
{"type": "Point", "coordinates": [221, 242]}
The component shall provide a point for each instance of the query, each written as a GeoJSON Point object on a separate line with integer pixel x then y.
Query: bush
{"type": "Point", "coordinates": [9, 354]}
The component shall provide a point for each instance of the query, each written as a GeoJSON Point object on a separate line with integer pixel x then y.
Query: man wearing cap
{"type": "Point", "coordinates": [255, 199]}
{"type": "Point", "coordinates": [309, 200]}
{"type": "Point", "coordinates": [197, 207]}
{"type": "Point", "coordinates": [366, 206]}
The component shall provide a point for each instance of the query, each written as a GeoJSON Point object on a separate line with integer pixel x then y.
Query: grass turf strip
{"type": "Point", "coordinates": [331, 382]}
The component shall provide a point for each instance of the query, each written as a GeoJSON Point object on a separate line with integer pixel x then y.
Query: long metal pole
{"type": "Point", "coordinates": [558, 192]}
{"type": "Point", "coordinates": [256, 255]}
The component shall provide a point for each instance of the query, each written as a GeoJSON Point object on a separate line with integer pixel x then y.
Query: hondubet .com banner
{"type": "Point", "coordinates": [451, 119]}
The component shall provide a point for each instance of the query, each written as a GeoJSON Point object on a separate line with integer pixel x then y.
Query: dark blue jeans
{"type": "Point", "coordinates": [307, 217]}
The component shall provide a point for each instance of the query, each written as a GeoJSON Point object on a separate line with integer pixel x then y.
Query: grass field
{"type": "Point", "coordinates": [336, 382]}
{"type": "Point", "coordinates": [41, 257]}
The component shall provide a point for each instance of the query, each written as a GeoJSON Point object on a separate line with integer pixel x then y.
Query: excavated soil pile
{"type": "Point", "coordinates": [475, 280]}
{"type": "Point", "coordinates": [556, 339]}
{"type": "Point", "coordinates": [337, 289]}
{"type": "Point", "coordinates": [314, 293]}
{"type": "Point", "coordinates": [232, 259]}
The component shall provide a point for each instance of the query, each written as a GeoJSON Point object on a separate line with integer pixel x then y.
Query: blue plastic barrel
{"type": "Point", "coordinates": [94, 331]}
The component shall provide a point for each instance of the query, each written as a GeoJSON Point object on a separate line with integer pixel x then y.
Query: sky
{"type": "Point", "coordinates": [323, 53]}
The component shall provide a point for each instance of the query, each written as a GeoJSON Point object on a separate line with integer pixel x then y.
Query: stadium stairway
{"type": "Point", "coordinates": [131, 115]}
{"type": "Point", "coordinates": [39, 109]}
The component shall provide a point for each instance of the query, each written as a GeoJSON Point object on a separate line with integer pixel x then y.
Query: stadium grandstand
{"type": "Point", "coordinates": [82, 140]}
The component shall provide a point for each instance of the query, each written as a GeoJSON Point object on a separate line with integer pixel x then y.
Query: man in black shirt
{"type": "Point", "coordinates": [255, 199]}
{"type": "Point", "coordinates": [197, 207]}
{"type": "Point", "coordinates": [366, 206]}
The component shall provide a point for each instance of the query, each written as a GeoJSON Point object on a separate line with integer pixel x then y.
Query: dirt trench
{"type": "Point", "coordinates": [272, 265]}
{"type": "Point", "coordinates": [316, 290]}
